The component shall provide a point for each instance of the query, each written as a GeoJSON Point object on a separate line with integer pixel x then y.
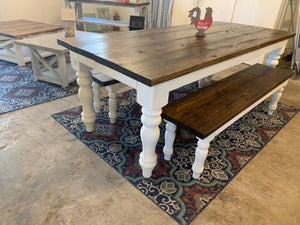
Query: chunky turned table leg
{"type": "Point", "coordinates": [85, 93]}
{"type": "Point", "coordinates": [200, 156]}
{"type": "Point", "coordinates": [149, 135]}
{"type": "Point", "coordinates": [169, 140]}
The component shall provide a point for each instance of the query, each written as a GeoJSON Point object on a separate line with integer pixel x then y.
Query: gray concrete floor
{"type": "Point", "coordinates": [47, 176]}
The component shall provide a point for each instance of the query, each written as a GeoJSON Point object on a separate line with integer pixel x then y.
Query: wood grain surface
{"type": "Point", "coordinates": [155, 56]}
{"type": "Point", "coordinates": [207, 109]}
{"type": "Point", "coordinates": [17, 29]}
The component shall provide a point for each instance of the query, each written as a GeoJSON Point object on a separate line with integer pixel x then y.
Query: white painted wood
{"type": "Point", "coordinates": [47, 43]}
{"type": "Point", "coordinates": [139, 11]}
{"type": "Point", "coordinates": [274, 56]}
{"type": "Point", "coordinates": [7, 43]}
{"type": "Point", "coordinates": [97, 96]}
{"type": "Point", "coordinates": [112, 89]}
{"type": "Point", "coordinates": [62, 67]}
{"type": "Point", "coordinates": [85, 94]}
{"type": "Point", "coordinates": [169, 140]}
{"type": "Point", "coordinates": [12, 51]}
{"type": "Point", "coordinates": [274, 102]}
{"type": "Point", "coordinates": [149, 134]}
{"type": "Point", "coordinates": [205, 81]}
{"type": "Point", "coordinates": [44, 70]}
{"type": "Point", "coordinates": [102, 22]}
{"type": "Point", "coordinates": [200, 156]}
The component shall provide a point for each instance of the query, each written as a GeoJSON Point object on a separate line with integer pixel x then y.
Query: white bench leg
{"type": "Point", "coordinates": [97, 96]}
{"type": "Point", "coordinates": [169, 140]}
{"type": "Point", "coordinates": [200, 156]}
{"type": "Point", "coordinates": [112, 102]}
{"type": "Point", "coordinates": [205, 81]}
{"type": "Point", "coordinates": [275, 98]}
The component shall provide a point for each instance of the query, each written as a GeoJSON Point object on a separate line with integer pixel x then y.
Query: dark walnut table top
{"type": "Point", "coordinates": [155, 56]}
{"type": "Point", "coordinates": [17, 29]}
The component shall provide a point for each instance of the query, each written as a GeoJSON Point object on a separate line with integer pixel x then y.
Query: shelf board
{"type": "Point", "coordinates": [102, 21]}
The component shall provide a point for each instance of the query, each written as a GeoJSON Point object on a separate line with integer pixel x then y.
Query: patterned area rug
{"type": "Point", "coordinates": [172, 187]}
{"type": "Point", "coordinates": [18, 89]}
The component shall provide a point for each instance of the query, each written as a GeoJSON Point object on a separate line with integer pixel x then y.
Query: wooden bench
{"type": "Point", "coordinates": [208, 111]}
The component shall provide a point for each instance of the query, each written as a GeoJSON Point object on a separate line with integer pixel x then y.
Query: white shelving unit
{"type": "Point", "coordinates": [141, 9]}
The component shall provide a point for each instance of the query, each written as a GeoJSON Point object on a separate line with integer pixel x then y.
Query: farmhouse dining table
{"type": "Point", "coordinates": [13, 30]}
{"type": "Point", "coordinates": [157, 61]}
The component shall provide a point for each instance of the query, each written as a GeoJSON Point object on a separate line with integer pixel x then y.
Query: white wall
{"type": "Point", "coordinates": [222, 10]}
{"type": "Point", "coordinates": [47, 11]}
{"type": "Point", "coordinates": [257, 12]}
{"type": "Point", "coordinates": [252, 12]}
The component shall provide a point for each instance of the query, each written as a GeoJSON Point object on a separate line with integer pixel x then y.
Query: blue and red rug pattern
{"type": "Point", "coordinates": [172, 187]}
{"type": "Point", "coordinates": [18, 88]}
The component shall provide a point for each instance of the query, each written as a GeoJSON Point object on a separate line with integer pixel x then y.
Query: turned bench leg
{"type": "Point", "coordinates": [97, 96]}
{"type": "Point", "coordinates": [200, 154]}
{"type": "Point", "coordinates": [112, 102]}
{"type": "Point", "coordinates": [275, 98]}
{"type": "Point", "coordinates": [169, 140]}
{"type": "Point", "coordinates": [112, 99]}
{"type": "Point", "coordinates": [205, 81]}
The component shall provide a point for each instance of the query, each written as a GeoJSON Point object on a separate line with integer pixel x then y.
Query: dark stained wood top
{"type": "Point", "coordinates": [155, 56]}
{"type": "Point", "coordinates": [209, 108]}
{"type": "Point", "coordinates": [17, 29]}
{"type": "Point", "coordinates": [112, 2]}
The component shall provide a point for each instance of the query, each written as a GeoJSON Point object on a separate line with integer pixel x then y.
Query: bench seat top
{"type": "Point", "coordinates": [209, 108]}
